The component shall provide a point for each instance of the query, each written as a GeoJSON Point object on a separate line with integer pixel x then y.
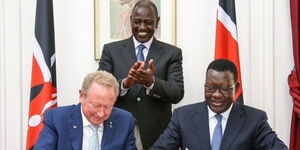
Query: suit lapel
{"type": "Point", "coordinates": [109, 132]}
{"type": "Point", "coordinates": [128, 52]}
{"type": "Point", "coordinates": [200, 122]}
{"type": "Point", "coordinates": [75, 128]}
{"type": "Point", "coordinates": [154, 52]}
{"type": "Point", "coordinates": [235, 122]}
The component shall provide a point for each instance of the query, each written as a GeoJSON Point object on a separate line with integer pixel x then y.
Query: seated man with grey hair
{"type": "Point", "coordinates": [92, 124]}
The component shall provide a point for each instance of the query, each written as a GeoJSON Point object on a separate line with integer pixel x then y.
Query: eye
{"type": "Point", "coordinates": [136, 21]}
{"type": "Point", "coordinates": [149, 22]}
{"type": "Point", "coordinates": [210, 89]}
{"type": "Point", "coordinates": [224, 89]}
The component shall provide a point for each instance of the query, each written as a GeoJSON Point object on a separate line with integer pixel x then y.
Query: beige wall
{"type": "Point", "coordinates": [264, 41]}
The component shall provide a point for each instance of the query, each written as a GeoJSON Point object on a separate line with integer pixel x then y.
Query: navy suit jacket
{"type": "Point", "coordinates": [152, 112]}
{"type": "Point", "coordinates": [63, 130]}
{"type": "Point", "coordinates": [247, 129]}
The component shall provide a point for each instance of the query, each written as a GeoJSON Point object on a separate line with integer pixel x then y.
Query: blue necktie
{"type": "Point", "coordinates": [93, 140]}
{"type": "Point", "coordinates": [140, 55]}
{"type": "Point", "coordinates": [217, 136]}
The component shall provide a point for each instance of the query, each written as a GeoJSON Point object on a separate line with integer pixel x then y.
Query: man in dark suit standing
{"type": "Point", "coordinates": [91, 125]}
{"type": "Point", "coordinates": [148, 88]}
{"type": "Point", "coordinates": [218, 123]}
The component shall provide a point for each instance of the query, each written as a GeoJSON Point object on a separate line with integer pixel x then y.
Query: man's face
{"type": "Point", "coordinates": [98, 104]}
{"type": "Point", "coordinates": [219, 90]}
{"type": "Point", "coordinates": [143, 23]}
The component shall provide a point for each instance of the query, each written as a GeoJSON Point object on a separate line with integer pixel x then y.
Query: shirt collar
{"type": "Point", "coordinates": [146, 44]}
{"type": "Point", "coordinates": [225, 114]}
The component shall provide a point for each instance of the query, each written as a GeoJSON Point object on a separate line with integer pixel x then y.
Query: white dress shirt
{"type": "Point", "coordinates": [213, 121]}
{"type": "Point", "coordinates": [87, 132]}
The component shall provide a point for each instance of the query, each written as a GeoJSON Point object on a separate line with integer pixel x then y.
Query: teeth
{"type": "Point", "coordinates": [217, 103]}
{"type": "Point", "coordinates": [142, 33]}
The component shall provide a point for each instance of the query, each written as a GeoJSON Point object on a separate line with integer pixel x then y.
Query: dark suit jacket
{"type": "Point", "coordinates": [153, 111]}
{"type": "Point", "coordinates": [247, 129]}
{"type": "Point", "coordinates": [63, 130]}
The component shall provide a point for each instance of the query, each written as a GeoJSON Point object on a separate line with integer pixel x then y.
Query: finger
{"type": "Point", "coordinates": [136, 65]}
{"type": "Point", "coordinates": [151, 65]}
{"type": "Point", "coordinates": [133, 78]}
{"type": "Point", "coordinates": [142, 66]}
{"type": "Point", "coordinates": [137, 75]}
{"type": "Point", "coordinates": [133, 73]}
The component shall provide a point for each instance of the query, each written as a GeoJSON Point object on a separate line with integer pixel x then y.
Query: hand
{"type": "Point", "coordinates": [131, 78]}
{"type": "Point", "coordinates": [137, 74]}
{"type": "Point", "coordinates": [146, 76]}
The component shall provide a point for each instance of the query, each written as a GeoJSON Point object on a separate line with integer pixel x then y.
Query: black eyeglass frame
{"type": "Point", "coordinates": [212, 89]}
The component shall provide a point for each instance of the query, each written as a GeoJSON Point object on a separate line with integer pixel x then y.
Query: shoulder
{"type": "Point", "coordinates": [251, 112]}
{"type": "Point", "coordinates": [117, 112]}
{"type": "Point", "coordinates": [61, 111]}
{"type": "Point", "coordinates": [191, 108]}
{"type": "Point", "coordinates": [118, 43]}
{"type": "Point", "coordinates": [166, 45]}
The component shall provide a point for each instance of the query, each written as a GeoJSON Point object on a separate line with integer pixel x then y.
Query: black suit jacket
{"type": "Point", "coordinates": [153, 111]}
{"type": "Point", "coordinates": [247, 129]}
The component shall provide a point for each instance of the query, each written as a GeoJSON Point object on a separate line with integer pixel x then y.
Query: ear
{"type": "Point", "coordinates": [130, 21]}
{"type": "Point", "coordinates": [157, 21]}
{"type": "Point", "coordinates": [81, 97]}
{"type": "Point", "coordinates": [237, 87]}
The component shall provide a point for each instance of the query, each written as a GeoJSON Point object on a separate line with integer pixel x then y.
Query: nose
{"type": "Point", "coordinates": [217, 93]}
{"type": "Point", "coordinates": [142, 26]}
{"type": "Point", "coordinates": [101, 112]}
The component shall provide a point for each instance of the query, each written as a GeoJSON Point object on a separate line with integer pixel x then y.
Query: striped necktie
{"type": "Point", "coordinates": [140, 55]}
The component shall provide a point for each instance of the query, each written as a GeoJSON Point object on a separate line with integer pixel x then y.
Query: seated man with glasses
{"type": "Point", "coordinates": [93, 124]}
{"type": "Point", "coordinates": [219, 122]}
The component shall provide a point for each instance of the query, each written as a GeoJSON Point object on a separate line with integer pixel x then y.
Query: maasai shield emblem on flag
{"type": "Point", "coordinates": [43, 81]}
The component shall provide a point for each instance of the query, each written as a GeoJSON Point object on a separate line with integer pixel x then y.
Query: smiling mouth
{"type": "Point", "coordinates": [217, 103]}
{"type": "Point", "coordinates": [142, 33]}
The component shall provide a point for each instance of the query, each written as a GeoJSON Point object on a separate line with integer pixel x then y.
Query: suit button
{"type": "Point", "coordinates": [138, 99]}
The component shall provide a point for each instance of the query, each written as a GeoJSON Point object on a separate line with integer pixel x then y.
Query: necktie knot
{"type": "Point", "coordinates": [140, 55]}
{"type": "Point", "coordinates": [219, 118]}
{"type": "Point", "coordinates": [94, 128]}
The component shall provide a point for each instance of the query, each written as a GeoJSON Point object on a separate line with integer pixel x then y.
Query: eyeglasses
{"type": "Point", "coordinates": [212, 89]}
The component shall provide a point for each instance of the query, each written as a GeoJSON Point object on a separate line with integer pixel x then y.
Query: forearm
{"type": "Point", "coordinates": [169, 92]}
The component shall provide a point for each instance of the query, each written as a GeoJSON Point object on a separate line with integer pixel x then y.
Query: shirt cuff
{"type": "Point", "coordinates": [123, 90]}
{"type": "Point", "coordinates": [148, 89]}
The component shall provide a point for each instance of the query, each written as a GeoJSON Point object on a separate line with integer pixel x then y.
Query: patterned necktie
{"type": "Point", "coordinates": [217, 136]}
{"type": "Point", "coordinates": [93, 141]}
{"type": "Point", "coordinates": [140, 55]}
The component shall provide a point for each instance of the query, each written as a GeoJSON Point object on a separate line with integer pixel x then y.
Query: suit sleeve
{"type": "Point", "coordinates": [130, 144]}
{"type": "Point", "coordinates": [266, 138]}
{"type": "Point", "coordinates": [106, 63]}
{"type": "Point", "coordinates": [170, 90]}
{"type": "Point", "coordinates": [48, 138]}
{"type": "Point", "coordinates": [171, 138]}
